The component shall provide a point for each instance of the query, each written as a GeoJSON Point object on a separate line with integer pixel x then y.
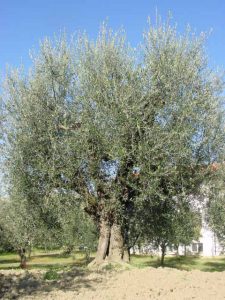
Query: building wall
{"type": "Point", "coordinates": [211, 245]}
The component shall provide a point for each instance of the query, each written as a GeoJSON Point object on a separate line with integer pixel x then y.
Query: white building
{"type": "Point", "coordinates": [207, 245]}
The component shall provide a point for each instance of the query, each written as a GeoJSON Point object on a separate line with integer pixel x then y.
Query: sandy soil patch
{"type": "Point", "coordinates": [134, 284]}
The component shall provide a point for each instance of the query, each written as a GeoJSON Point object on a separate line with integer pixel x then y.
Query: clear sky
{"type": "Point", "coordinates": [23, 23]}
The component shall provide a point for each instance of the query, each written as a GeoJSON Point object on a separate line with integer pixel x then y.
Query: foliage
{"type": "Point", "coordinates": [188, 225]}
{"type": "Point", "coordinates": [170, 223]}
{"type": "Point", "coordinates": [51, 275]}
{"type": "Point", "coordinates": [216, 205]}
{"type": "Point", "coordinates": [19, 226]}
{"type": "Point", "coordinates": [117, 126]}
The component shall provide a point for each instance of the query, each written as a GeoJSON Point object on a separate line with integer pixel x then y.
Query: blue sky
{"type": "Point", "coordinates": [23, 23]}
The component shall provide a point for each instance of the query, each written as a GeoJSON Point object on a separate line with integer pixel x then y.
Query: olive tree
{"type": "Point", "coordinates": [170, 223]}
{"type": "Point", "coordinates": [20, 228]}
{"type": "Point", "coordinates": [116, 125]}
{"type": "Point", "coordinates": [74, 228]}
{"type": "Point", "coordinates": [215, 212]}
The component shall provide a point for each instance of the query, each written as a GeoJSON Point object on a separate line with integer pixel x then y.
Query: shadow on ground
{"type": "Point", "coordinates": [9, 261]}
{"type": "Point", "coordinates": [177, 262]}
{"type": "Point", "coordinates": [187, 263]}
{"type": "Point", "coordinates": [214, 266]}
{"type": "Point", "coordinates": [18, 285]}
{"type": "Point", "coordinates": [181, 262]}
{"type": "Point", "coordinates": [52, 260]}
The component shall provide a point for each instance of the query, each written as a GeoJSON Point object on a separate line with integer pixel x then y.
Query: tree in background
{"type": "Point", "coordinates": [216, 205]}
{"type": "Point", "coordinates": [117, 126]}
{"type": "Point", "coordinates": [64, 225]}
{"type": "Point", "coordinates": [20, 228]}
{"type": "Point", "coordinates": [189, 223]}
{"type": "Point", "coordinates": [75, 228]}
{"type": "Point", "coordinates": [170, 223]}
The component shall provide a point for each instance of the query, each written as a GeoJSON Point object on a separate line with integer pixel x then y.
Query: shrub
{"type": "Point", "coordinates": [51, 275]}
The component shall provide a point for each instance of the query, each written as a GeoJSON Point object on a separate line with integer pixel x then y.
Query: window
{"type": "Point", "coordinates": [200, 247]}
{"type": "Point", "coordinates": [197, 247]}
{"type": "Point", "coordinates": [194, 247]}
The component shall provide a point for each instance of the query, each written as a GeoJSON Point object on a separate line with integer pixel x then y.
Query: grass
{"type": "Point", "coordinates": [58, 261]}
{"type": "Point", "coordinates": [45, 260]}
{"type": "Point", "coordinates": [188, 263]}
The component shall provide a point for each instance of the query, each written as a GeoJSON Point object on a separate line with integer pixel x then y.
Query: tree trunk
{"type": "Point", "coordinates": [23, 258]}
{"type": "Point", "coordinates": [126, 255]}
{"type": "Point", "coordinates": [139, 249]}
{"type": "Point", "coordinates": [29, 249]}
{"type": "Point", "coordinates": [116, 244]}
{"type": "Point", "coordinates": [68, 250]}
{"type": "Point", "coordinates": [163, 253]}
{"type": "Point", "coordinates": [110, 244]}
{"type": "Point", "coordinates": [103, 242]}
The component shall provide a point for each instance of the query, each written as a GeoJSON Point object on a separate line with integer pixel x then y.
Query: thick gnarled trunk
{"type": "Point", "coordinates": [111, 246]}
{"type": "Point", "coordinates": [116, 244]}
{"type": "Point", "coordinates": [103, 242]}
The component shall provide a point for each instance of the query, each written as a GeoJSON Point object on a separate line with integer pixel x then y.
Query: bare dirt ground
{"type": "Point", "coordinates": [148, 283]}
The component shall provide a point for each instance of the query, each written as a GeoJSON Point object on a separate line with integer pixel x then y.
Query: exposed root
{"type": "Point", "coordinates": [109, 265]}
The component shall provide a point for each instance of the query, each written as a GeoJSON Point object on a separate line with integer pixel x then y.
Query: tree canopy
{"type": "Point", "coordinates": [117, 125]}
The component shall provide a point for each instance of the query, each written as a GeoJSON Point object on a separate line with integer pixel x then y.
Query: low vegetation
{"type": "Point", "coordinates": [188, 263]}
{"type": "Point", "coordinates": [56, 261]}
{"type": "Point", "coordinates": [44, 260]}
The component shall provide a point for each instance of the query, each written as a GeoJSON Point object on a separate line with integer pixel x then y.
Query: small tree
{"type": "Point", "coordinates": [169, 223]}
{"type": "Point", "coordinates": [189, 223]}
{"type": "Point", "coordinates": [20, 227]}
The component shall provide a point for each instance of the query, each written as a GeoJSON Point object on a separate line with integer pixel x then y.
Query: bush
{"type": "Point", "coordinates": [51, 275]}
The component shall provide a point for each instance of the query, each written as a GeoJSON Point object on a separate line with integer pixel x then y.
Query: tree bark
{"type": "Point", "coordinates": [110, 244]}
{"type": "Point", "coordinates": [68, 250]}
{"type": "Point", "coordinates": [103, 242]}
{"type": "Point", "coordinates": [126, 255]}
{"type": "Point", "coordinates": [29, 249]}
{"type": "Point", "coordinates": [116, 244]}
{"type": "Point", "coordinates": [23, 258]}
{"type": "Point", "coordinates": [163, 253]}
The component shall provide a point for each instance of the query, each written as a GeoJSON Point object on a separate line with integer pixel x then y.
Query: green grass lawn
{"type": "Point", "coordinates": [188, 263]}
{"type": "Point", "coordinates": [57, 260]}
{"type": "Point", "coordinates": [44, 260]}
